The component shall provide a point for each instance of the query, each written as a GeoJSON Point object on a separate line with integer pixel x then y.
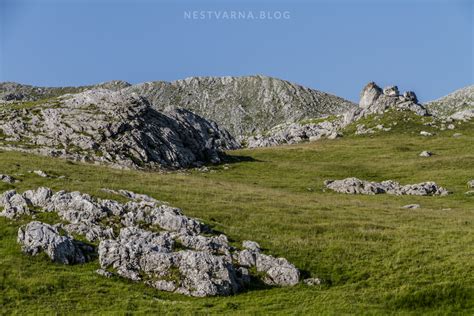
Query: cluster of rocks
{"type": "Point", "coordinates": [357, 186]}
{"type": "Point", "coordinates": [142, 240]}
{"type": "Point", "coordinates": [294, 133]}
{"type": "Point", "coordinates": [118, 129]}
{"type": "Point", "coordinates": [373, 100]}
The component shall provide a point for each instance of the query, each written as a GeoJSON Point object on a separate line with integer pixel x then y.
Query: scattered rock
{"type": "Point", "coordinates": [41, 173]}
{"type": "Point", "coordinates": [424, 133]}
{"type": "Point", "coordinates": [412, 206]}
{"type": "Point", "coordinates": [426, 154]}
{"type": "Point", "coordinates": [470, 183]}
{"type": "Point", "coordinates": [7, 179]}
{"type": "Point", "coordinates": [356, 186]}
{"type": "Point", "coordinates": [457, 135]}
{"type": "Point", "coordinates": [312, 281]}
{"type": "Point", "coordinates": [119, 129]}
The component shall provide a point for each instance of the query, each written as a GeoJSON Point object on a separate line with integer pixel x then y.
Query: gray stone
{"type": "Point", "coordinates": [251, 245]}
{"type": "Point", "coordinates": [426, 153]}
{"type": "Point", "coordinates": [470, 183]}
{"type": "Point", "coordinates": [7, 179]}
{"type": "Point", "coordinates": [356, 186]}
{"type": "Point", "coordinates": [391, 91]}
{"type": "Point", "coordinates": [312, 281]}
{"type": "Point", "coordinates": [37, 236]}
{"type": "Point", "coordinates": [411, 206]}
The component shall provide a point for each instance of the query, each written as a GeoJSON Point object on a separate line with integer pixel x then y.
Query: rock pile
{"type": "Point", "coordinates": [118, 129]}
{"type": "Point", "coordinates": [142, 240]}
{"type": "Point", "coordinates": [356, 186]}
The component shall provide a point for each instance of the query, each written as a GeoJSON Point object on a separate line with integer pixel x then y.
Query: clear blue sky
{"type": "Point", "coordinates": [333, 46]}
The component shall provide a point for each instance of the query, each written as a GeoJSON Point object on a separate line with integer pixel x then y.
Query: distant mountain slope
{"type": "Point", "coordinates": [12, 91]}
{"type": "Point", "coordinates": [459, 100]}
{"type": "Point", "coordinates": [243, 105]}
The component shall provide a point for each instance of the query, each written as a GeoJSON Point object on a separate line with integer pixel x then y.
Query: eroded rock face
{"type": "Point", "coordinates": [142, 240]}
{"type": "Point", "coordinates": [357, 186]}
{"type": "Point", "coordinates": [36, 237]}
{"type": "Point", "coordinates": [114, 128]}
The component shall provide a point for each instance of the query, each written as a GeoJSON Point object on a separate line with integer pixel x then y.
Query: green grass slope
{"type": "Point", "coordinates": [375, 257]}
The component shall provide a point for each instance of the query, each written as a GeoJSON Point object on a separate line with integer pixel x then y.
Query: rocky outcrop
{"type": "Point", "coordinates": [373, 100]}
{"type": "Point", "coordinates": [36, 237]}
{"type": "Point", "coordinates": [143, 240]}
{"type": "Point", "coordinates": [356, 186]}
{"type": "Point", "coordinates": [118, 129]}
{"type": "Point", "coordinates": [294, 133]}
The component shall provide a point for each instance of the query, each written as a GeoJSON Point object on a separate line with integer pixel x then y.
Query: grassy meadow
{"type": "Point", "coordinates": [374, 257]}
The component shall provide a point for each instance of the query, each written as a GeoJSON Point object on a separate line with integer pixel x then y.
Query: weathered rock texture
{"type": "Point", "coordinates": [143, 240]}
{"type": "Point", "coordinates": [36, 237]}
{"type": "Point", "coordinates": [356, 186]}
{"type": "Point", "coordinates": [119, 129]}
{"type": "Point", "coordinates": [456, 103]}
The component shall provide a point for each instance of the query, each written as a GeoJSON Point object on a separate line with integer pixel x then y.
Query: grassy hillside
{"type": "Point", "coordinates": [375, 257]}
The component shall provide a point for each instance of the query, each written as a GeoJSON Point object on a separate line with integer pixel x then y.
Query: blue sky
{"type": "Point", "coordinates": [334, 46]}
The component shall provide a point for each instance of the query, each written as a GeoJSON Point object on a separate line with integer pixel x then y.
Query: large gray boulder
{"type": "Point", "coordinates": [36, 237]}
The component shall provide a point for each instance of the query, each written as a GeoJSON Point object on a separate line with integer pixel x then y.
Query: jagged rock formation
{"type": "Point", "coordinates": [243, 105]}
{"type": "Point", "coordinates": [142, 240]}
{"type": "Point", "coordinates": [461, 100]}
{"type": "Point", "coordinates": [12, 91]}
{"type": "Point", "coordinates": [356, 186]}
{"type": "Point", "coordinates": [373, 100]}
{"type": "Point", "coordinates": [119, 129]}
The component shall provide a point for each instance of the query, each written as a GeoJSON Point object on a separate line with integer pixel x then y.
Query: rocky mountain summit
{"type": "Point", "coordinates": [243, 105]}
{"type": "Point", "coordinates": [122, 130]}
{"type": "Point", "coordinates": [143, 240]}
